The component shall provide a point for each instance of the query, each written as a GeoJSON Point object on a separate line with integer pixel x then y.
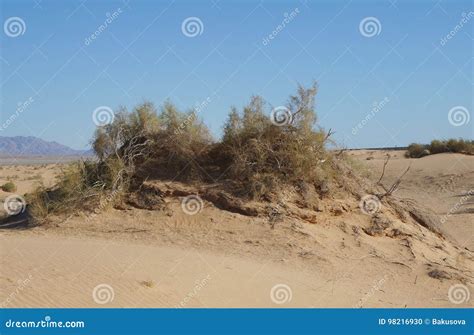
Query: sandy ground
{"type": "Point", "coordinates": [63, 272]}
{"type": "Point", "coordinates": [28, 177]}
{"type": "Point", "coordinates": [140, 258]}
{"type": "Point", "coordinates": [440, 182]}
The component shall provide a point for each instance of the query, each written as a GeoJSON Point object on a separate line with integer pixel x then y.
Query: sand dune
{"type": "Point", "coordinates": [439, 182]}
{"type": "Point", "coordinates": [57, 271]}
{"type": "Point", "coordinates": [141, 258]}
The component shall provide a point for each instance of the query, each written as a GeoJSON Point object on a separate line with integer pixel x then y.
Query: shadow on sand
{"type": "Point", "coordinates": [20, 221]}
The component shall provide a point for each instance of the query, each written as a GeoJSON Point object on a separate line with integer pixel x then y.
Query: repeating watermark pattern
{"type": "Point", "coordinates": [287, 18]}
{"type": "Point", "coordinates": [459, 294]}
{"type": "Point", "coordinates": [22, 106]}
{"type": "Point", "coordinates": [14, 26]}
{"type": "Point", "coordinates": [14, 204]}
{"type": "Point", "coordinates": [370, 204]}
{"type": "Point", "coordinates": [103, 116]}
{"type": "Point", "coordinates": [377, 107]}
{"type": "Point", "coordinates": [281, 294]}
{"type": "Point", "coordinates": [22, 284]}
{"type": "Point", "coordinates": [459, 116]}
{"type": "Point", "coordinates": [281, 116]}
{"type": "Point", "coordinates": [192, 204]}
{"type": "Point", "coordinates": [377, 285]}
{"type": "Point", "coordinates": [370, 27]}
{"type": "Point", "coordinates": [103, 294]}
{"type": "Point", "coordinates": [198, 108]}
{"type": "Point", "coordinates": [100, 29]}
{"type": "Point", "coordinates": [456, 207]}
{"type": "Point", "coordinates": [466, 17]}
{"type": "Point", "coordinates": [198, 286]}
{"type": "Point", "coordinates": [192, 26]}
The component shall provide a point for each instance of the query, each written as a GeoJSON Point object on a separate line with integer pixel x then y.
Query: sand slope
{"type": "Point", "coordinates": [441, 182]}
{"type": "Point", "coordinates": [221, 259]}
{"type": "Point", "coordinates": [63, 272]}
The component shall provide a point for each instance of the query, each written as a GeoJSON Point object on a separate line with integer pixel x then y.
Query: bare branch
{"type": "Point", "coordinates": [395, 185]}
{"type": "Point", "coordinates": [383, 170]}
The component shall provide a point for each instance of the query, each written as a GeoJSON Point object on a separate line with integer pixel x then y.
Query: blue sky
{"type": "Point", "coordinates": [143, 54]}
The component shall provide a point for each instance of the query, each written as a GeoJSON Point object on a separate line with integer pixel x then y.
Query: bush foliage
{"type": "Point", "coordinates": [416, 150]}
{"type": "Point", "coordinates": [260, 155]}
{"type": "Point", "coordinates": [8, 187]}
{"type": "Point", "coordinates": [257, 154]}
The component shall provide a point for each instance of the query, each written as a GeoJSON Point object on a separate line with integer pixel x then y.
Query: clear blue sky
{"type": "Point", "coordinates": [144, 55]}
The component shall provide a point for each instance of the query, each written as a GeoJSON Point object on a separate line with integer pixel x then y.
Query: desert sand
{"type": "Point", "coordinates": [438, 181]}
{"type": "Point", "coordinates": [133, 257]}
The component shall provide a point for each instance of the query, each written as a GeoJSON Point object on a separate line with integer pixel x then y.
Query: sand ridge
{"type": "Point", "coordinates": [216, 258]}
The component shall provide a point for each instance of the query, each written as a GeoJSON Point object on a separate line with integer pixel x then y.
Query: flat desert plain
{"type": "Point", "coordinates": [139, 258]}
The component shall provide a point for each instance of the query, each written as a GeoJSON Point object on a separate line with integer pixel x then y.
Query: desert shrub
{"type": "Point", "coordinates": [461, 146]}
{"type": "Point", "coordinates": [262, 155]}
{"type": "Point", "coordinates": [81, 186]}
{"type": "Point", "coordinates": [152, 144]}
{"type": "Point", "coordinates": [416, 150]}
{"type": "Point", "coordinates": [437, 147]}
{"type": "Point", "coordinates": [8, 187]}
{"type": "Point", "coordinates": [135, 146]}
{"type": "Point", "coordinates": [258, 154]}
{"type": "Point", "coordinates": [177, 147]}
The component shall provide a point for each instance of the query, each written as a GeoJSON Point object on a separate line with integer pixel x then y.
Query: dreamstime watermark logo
{"type": "Point", "coordinates": [377, 285]}
{"type": "Point", "coordinates": [459, 294]}
{"type": "Point", "coordinates": [198, 286]}
{"type": "Point", "coordinates": [14, 204]}
{"type": "Point", "coordinates": [14, 26]}
{"type": "Point", "coordinates": [466, 17]}
{"type": "Point", "coordinates": [281, 294]}
{"type": "Point", "coordinates": [46, 323]}
{"type": "Point", "coordinates": [458, 205]}
{"type": "Point", "coordinates": [370, 27]}
{"type": "Point", "coordinates": [103, 116]}
{"type": "Point", "coordinates": [281, 116]}
{"type": "Point", "coordinates": [192, 204]}
{"type": "Point", "coordinates": [100, 29]}
{"type": "Point", "coordinates": [377, 107]}
{"type": "Point", "coordinates": [192, 26]}
{"type": "Point", "coordinates": [459, 116]}
{"type": "Point", "coordinates": [22, 284]}
{"type": "Point", "coordinates": [103, 294]}
{"type": "Point", "coordinates": [370, 204]}
{"type": "Point", "coordinates": [22, 106]}
{"type": "Point", "coordinates": [286, 20]}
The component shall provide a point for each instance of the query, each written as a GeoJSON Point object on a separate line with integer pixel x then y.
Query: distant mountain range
{"type": "Point", "coordinates": [34, 146]}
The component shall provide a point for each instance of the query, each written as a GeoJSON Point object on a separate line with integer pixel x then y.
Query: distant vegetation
{"type": "Point", "coordinates": [260, 152]}
{"type": "Point", "coordinates": [416, 150]}
{"type": "Point", "coordinates": [8, 187]}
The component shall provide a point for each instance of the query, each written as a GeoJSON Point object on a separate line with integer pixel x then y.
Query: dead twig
{"type": "Point", "coordinates": [383, 170]}
{"type": "Point", "coordinates": [389, 191]}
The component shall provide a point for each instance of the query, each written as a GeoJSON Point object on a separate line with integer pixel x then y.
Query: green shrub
{"type": "Point", "coordinates": [81, 186]}
{"type": "Point", "coordinates": [437, 147]}
{"type": "Point", "coordinates": [8, 187]}
{"type": "Point", "coordinates": [256, 155]}
{"type": "Point", "coordinates": [416, 150]}
{"type": "Point", "coordinates": [461, 146]}
{"type": "Point", "coordinates": [260, 155]}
